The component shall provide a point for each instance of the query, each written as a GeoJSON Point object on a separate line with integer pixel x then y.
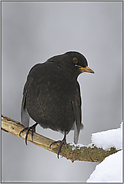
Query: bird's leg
{"type": "Point", "coordinates": [32, 128]}
{"type": "Point", "coordinates": [63, 141]}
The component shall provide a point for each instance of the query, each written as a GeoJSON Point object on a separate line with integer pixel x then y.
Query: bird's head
{"type": "Point", "coordinates": [72, 63]}
{"type": "Point", "coordinates": [79, 62]}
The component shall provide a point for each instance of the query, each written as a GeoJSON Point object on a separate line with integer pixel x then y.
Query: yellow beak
{"type": "Point", "coordinates": [85, 69]}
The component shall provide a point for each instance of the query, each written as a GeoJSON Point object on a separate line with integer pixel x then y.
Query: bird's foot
{"type": "Point", "coordinates": [61, 144]}
{"type": "Point", "coordinates": [32, 129]}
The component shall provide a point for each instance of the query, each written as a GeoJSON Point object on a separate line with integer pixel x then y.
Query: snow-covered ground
{"type": "Point", "coordinates": [110, 169]}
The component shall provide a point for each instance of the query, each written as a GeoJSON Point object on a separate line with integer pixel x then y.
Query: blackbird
{"type": "Point", "coordinates": [51, 95]}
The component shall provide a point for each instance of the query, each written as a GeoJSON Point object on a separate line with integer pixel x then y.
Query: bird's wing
{"type": "Point", "coordinates": [24, 113]}
{"type": "Point", "coordinates": [76, 104]}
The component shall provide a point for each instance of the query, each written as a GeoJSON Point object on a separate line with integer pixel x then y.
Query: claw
{"type": "Point", "coordinates": [61, 144]}
{"type": "Point", "coordinates": [32, 129]}
{"type": "Point", "coordinates": [26, 137]}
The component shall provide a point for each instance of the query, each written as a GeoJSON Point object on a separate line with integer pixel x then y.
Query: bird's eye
{"type": "Point", "coordinates": [75, 60]}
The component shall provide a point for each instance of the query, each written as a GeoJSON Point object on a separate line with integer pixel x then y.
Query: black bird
{"type": "Point", "coordinates": [51, 95]}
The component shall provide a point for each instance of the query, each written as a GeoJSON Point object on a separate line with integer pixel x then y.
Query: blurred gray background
{"type": "Point", "coordinates": [33, 32]}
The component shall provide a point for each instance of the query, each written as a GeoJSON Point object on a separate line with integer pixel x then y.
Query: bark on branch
{"type": "Point", "coordinates": [90, 154]}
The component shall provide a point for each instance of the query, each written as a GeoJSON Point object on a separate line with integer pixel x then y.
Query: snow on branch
{"type": "Point", "coordinates": [89, 153]}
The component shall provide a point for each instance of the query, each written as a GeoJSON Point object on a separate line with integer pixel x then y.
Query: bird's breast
{"type": "Point", "coordinates": [49, 99]}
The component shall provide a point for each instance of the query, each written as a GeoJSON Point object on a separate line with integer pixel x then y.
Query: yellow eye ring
{"type": "Point", "coordinates": [75, 60]}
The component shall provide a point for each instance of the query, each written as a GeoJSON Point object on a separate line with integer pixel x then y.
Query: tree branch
{"type": "Point", "coordinates": [90, 154]}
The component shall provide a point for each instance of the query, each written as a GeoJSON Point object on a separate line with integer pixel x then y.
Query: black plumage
{"type": "Point", "coordinates": [51, 95]}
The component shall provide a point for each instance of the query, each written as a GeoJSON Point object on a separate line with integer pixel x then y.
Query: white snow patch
{"type": "Point", "coordinates": [108, 139]}
{"type": "Point", "coordinates": [109, 170]}
{"type": "Point", "coordinates": [78, 146]}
